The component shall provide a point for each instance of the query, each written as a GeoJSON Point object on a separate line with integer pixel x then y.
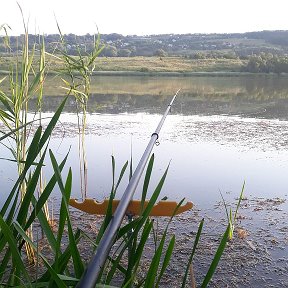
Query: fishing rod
{"type": "Point", "coordinates": [92, 271]}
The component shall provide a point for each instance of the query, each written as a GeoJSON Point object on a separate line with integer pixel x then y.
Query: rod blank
{"type": "Point", "coordinates": [92, 271]}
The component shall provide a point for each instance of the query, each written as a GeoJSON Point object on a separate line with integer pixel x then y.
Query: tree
{"type": "Point", "coordinates": [124, 53]}
{"type": "Point", "coordinates": [109, 51]}
{"type": "Point", "coordinates": [199, 55]}
{"type": "Point", "coordinates": [160, 53]}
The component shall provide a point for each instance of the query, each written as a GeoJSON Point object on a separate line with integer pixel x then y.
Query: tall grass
{"type": "Point", "coordinates": [16, 218]}
{"type": "Point", "coordinates": [40, 88]}
{"type": "Point", "coordinates": [76, 75]}
{"type": "Point", "coordinates": [16, 101]}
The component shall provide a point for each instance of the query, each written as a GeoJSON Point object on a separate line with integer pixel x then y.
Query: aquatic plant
{"type": "Point", "coordinates": [16, 218]}
{"type": "Point", "coordinates": [76, 75]}
{"type": "Point", "coordinates": [24, 82]}
{"type": "Point", "coordinates": [229, 212]}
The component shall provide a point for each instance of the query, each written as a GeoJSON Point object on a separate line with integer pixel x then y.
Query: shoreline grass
{"type": "Point", "coordinates": [146, 65]}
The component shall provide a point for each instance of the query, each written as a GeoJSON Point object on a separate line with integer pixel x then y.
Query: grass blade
{"type": "Point", "coordinates": [216, 258]}
{"type": "Point", "coordinates": [66, 191]}
{"type": "Point", "coordinates": [48, 131]}
{"type": "Point", "coordinates": [62, 261]}
{"type": "Point", "coordinates": [17, 259]}
{"type": "Point", "coordinates": [32, 184]}
{"type": "Point", "coordinates": [155, 195]}
{"type": "Point", "coordinates": [44, 195]}
{"type": "Point", "coordinates": [53, 273]}
{"type": "Point", "coordinates": [152, 272]}
{"type": "Point", "coordinates": [193, 252]}
{"type": "Point", "coordinates": [146, 181]}
{"type": "Point", "coordinates": [239, 201]}
{"type": "Point", "coordinates": [166, 260]}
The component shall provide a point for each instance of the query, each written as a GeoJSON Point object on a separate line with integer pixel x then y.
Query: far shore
{"type": "Point", "coordinates": [174, 74]}
{"type": "Point", "coordinates": [155, 67]}
{"type": "Point", "coordinates": [185, 74]}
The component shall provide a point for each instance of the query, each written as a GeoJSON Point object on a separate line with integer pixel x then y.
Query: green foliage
{"type": "Point", "coordinates": [267, 63]}
{"type": "Point", "coordinates": [216, 258]}
{"type": "Point", "coordinates": [110, 51]}
{"type": "Point", "coordinates": [15, 221]}
{"type": "Point", "coordinates": [160, 53]}
{"type": "Point", "coordinates": [124, 53]}
{"type": "Point", "coordinates": [78, 70]}
{"type": "Point", "coordinates": [230, 217]}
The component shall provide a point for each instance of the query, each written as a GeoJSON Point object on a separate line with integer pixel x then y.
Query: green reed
{"type": "Point", "coordinates": [76, 75]}
{"type": "Point", "coordinates": [229, 213]}
{"type": "Point", "coordinates": [16, 218]}
{"type": "Point", "coordinates": [21, 88]}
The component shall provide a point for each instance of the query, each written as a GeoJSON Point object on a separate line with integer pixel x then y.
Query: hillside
{"type": "Point", "coordinates": [189, 45]}
{"type": "Point", "coordinates": [256, 52]}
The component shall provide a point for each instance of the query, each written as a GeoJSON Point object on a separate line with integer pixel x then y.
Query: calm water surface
{"type": "Point", "coordinates": [222, 131]}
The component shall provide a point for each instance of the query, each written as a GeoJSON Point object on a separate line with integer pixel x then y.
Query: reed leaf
{"type": "Point", "coordinates": [45, 226]}
{"type": "Point", "coordinates": [61, 263]}
{"type": "Point", "coordinates": [33, 149]}
{"type": "Point", "coordinates": [6, 101]}
{"type": "Point", "coordinates": [53, 273]}
{"type": "Point", "coordinates": [140, 248]}
{"type": "Point", "coordinates": [66, 191]}
{"type": "Point", "coordinates": [116, 265]}
{"type": "Point", "coordinates": [21, 161]}
{"type": "Point", "coordinates": [154, 196]}
{"type": "Point", "coordinates": [121, 176]}
{"type": "Point", "coordinates": [12, 209]}
{"type": "Point", "coordinates": [4, 263]}
{"type": "Point", "coordinates": [197, 238]}
{"type": "Point", "coordinates": [146, 181]}
{"type": "Point", "coordinates": [45, 195]}
{"type": "Point", "coordinates": [128, 227]}
{"type": "Point", "coordinates": [17, 259]}
{"type": "Point", "coordinates": [48, 131]}
{"type": "Point", "coordinates": [111, 197]}
{"type": "Point", "coordinates": [8, 134]}
{"type": "Point", "coordinates": [152, 272]}
{"type": "Point", "coordinates": [239, 201]}
{"type": "Point", "coordinates": [32, 184]}
{"type": "Point", "coordinates": [216, 258]}
{"type": "Point", "coordinates": [166, 260]}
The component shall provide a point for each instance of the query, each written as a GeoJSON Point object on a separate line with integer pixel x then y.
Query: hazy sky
{"type": "Point", "coordinates": [146, 17]}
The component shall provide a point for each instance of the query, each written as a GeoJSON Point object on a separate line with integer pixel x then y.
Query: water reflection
{"type": "Point", "coordinates": [263, 97]}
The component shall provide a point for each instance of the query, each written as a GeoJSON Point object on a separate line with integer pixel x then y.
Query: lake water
{"type": "Point", "coordinates": [220, 132]}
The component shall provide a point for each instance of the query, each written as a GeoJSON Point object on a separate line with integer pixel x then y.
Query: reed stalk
{"type": "Point", "coordinates": [77, 74]}
{"type": "Point", "coordinates": [42, 67]}
{"type": "Point", "coordinates": [23, 83]}
{"type": "Point", "coordinates": [20, 97]}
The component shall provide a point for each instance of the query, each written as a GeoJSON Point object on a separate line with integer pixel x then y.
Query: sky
{"type": "Point", "coordinates": [135, 17]}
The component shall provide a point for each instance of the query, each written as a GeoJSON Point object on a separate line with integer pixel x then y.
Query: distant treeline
{"type": "Point", "coordinates": [188, 45]}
